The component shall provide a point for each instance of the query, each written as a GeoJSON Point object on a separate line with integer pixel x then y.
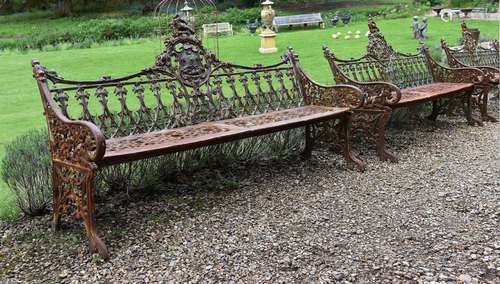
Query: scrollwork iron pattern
{"type": "Point", "coordinates": [382, 73]}
{"type": "Point", "coordinates": [187, 85]}
{"type": "Point", "coordinates": [71, 143]}
{"type": "Point", "coordinates": [452, 75]}
{"type": "Point", "coordinates": [339, 95]}
{"type": "Point", "coordinates": [473, 55]}
{"type": "Point", "coordinates": [382, 63]}
{"type": "Point", "coordinates": [69, 194]}
{"type": "Point", "coordinates": [378, 48]}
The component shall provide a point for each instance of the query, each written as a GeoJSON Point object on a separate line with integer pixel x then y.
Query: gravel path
{"type": "Point", "coordinates": [434, 216]}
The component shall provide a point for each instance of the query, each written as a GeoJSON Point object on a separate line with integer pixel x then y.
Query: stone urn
{"type": "Point", "coordinates": [267, 14]}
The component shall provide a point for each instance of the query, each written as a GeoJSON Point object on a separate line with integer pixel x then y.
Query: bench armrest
{"type": "Point", "coordinates": [489, 73]}
{"type": "Point", "coordinates": [331, 95]}
{"type": "Point", "coordinates": [73, 142]}
{"type": "Point", "coordinates": [379, 93]}
{"type": "Point", "coordinates": [441, 73]}
{"type": "Point", "coordinates": [318, 94]}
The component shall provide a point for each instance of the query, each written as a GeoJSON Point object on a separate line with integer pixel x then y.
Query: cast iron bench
{"type": "Point", "coordinates": [472, 54]}
{"type": "Point", "coordinates": [393, 80]}
{"type": "Point", "coordinates": [296, 20]}
{"type": "Point", "coordinates": [217, 28]}
{"type": "Point", "coordinates": [187, 100]}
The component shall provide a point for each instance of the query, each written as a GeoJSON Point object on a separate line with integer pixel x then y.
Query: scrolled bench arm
{"type": "Point", "coordinates": [333, 96]}
{"type": "Point", "coordinates": [489, 72]}
{"type": "Point", "coordinates": [324, 95]}
{"type": "Point", "coordinates": [376, 93]}
{"type": "Point", "coordinates": [76, 143]}
{"type": "Point", "coordinates": [441, 73]}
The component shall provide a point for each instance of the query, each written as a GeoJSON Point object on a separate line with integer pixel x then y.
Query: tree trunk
{"type": "Point", "coordinates": [6, 7]}
{"type": "Point", "coordinates": [64, 8]}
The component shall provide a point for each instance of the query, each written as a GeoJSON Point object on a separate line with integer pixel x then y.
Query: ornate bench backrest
{"type": "Point", "coordinates": [383, 63]}
{"type": "Point", "coordinates": [187, 85]}
{"type": "Point", "coordinates": [472, 53]}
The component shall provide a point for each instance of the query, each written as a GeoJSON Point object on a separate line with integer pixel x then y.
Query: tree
{"type": "Point", "coordinates": [64, 8]}
{"type": "Point", "coordinates": [6, 7]}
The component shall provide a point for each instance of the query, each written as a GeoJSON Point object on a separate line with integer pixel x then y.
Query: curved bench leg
{"type": "Point", "coordinates": [437, 108]}
{"type": "Point", "coordinates": [345, 135]}
{"type": "Point", "coordinates": [96, 244]}
{"type": "Point", "coordinates": [57, 199]}
{"type": "Point", "coordinates": [307, 153]}
{"type": "Point", "coordinates": [373, 122]}
{"type": "Point", "coordinates": [483, 104]}
{"type": "Point", "coordinates": [73, 189]}
{"type": "Point", "coordinates": [467, 108]}
{"type": "Point", "coordinates": [383, 153]}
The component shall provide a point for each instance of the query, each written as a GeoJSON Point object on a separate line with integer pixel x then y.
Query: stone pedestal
{"type": "Point", "coordinates": [268, 42]}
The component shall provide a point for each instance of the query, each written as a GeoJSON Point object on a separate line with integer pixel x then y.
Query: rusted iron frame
{"type": "Point", "coordinates": [491, 75]}
{"type": "Point", "coordinates": [381, 96]}
{"type": "Point", "coordinates": [78, 147]}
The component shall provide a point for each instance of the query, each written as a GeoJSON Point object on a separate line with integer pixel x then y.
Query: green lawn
{"type": "Point", "coordinates": [21, 109]}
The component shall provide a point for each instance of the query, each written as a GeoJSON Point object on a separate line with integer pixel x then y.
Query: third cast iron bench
{"type": "Point", "coordinates": [473, 54]}
{"type": "Point", "coordinates": [393, 80]}
{"type": "Point", "coordinates": [187, 99]}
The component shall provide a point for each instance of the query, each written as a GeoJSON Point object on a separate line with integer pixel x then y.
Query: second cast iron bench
{"type": "Point", "coordinates": [392, 79]}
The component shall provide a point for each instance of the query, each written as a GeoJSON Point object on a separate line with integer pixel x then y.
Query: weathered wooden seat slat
{"type": "Point", "coordinates": [187, 99]}
{"type": "Point", "coordinates": [295, 20]}
{"type": "Point", "coordinates": [152, 144]}
{"type": "Point", "coordinates": [393, 79]}
{"type": "Point", "coordinates": [472, 54]}
{"type": "Point", "coordinates": [430, 92]}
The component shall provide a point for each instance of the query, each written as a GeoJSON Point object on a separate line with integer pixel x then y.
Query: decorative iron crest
{"type": "Point", "coordinates": [470, 43]}
{"type": "Point", "coordinates": [184, 56]}
{"type": "Point", "coordinates": [378, 47]}
{"type": "Point", "coordinates": [372, 26]}
{"type": "Point", "coordinates": [464, 26]}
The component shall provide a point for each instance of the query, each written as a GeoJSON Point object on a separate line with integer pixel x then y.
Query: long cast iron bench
{"type": "Point", "coordinates": [393, 80]}
{"type": "Point", "coordinates": [472, 54]}
{"type": "Point", "coordinates": [188, 99]}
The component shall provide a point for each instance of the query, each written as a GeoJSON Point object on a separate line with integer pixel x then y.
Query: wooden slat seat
{"type": "Point", "coordinates": [430, 92]}
{"type": "Point", "coordinates": [173, 140]}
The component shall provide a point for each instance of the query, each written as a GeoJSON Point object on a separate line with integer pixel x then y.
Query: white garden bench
{"type": "Point", "coordinates": [217, 28]}
{"type": "Point", "coordinates": [296, 20]}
